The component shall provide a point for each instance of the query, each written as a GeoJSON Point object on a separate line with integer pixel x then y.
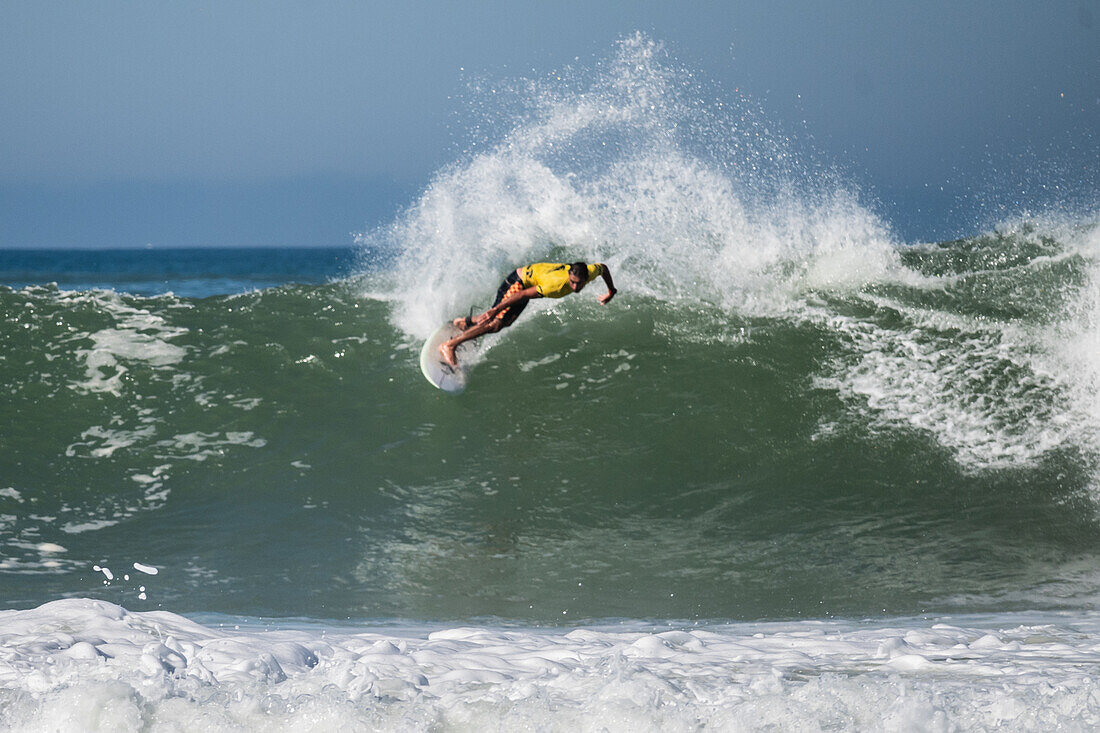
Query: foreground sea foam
{"type": "Point", "coordinates": [93, 666]}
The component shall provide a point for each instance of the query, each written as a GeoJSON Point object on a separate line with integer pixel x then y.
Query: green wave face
{"type": "Point", "coordinates": [921, 441]}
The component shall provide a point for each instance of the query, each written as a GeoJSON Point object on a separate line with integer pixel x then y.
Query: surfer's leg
{"type": "Point", "coordinates": [447, 348]}
{"type": "Point", "coordinates": [510, 285]}
{"type": "Point", "coordinates": [471, 329]}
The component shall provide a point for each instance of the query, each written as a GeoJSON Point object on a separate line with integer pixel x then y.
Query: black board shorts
{"type": "Point", "coordinates": [511, 284]}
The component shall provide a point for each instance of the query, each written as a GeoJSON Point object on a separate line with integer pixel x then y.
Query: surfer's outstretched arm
{"type": "Point", "coordinates": [606, 297]}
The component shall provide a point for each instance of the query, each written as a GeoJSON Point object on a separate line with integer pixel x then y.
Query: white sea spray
{"type": "Point", "coordinates": [631, 165]}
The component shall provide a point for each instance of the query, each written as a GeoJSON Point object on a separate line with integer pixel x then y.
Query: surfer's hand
{"type": "Point", "coordinates": [606, 297]}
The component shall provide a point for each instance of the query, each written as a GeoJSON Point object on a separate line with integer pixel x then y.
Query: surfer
{"type": "Point", "coordinates": [539, 280]}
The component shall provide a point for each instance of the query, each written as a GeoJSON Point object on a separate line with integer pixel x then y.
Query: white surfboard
{"type": "Point", "coordinates": [436, 370]}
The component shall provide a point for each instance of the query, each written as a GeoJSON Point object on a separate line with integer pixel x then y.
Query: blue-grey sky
{"type": "Point", "coordinates": [221, 123]}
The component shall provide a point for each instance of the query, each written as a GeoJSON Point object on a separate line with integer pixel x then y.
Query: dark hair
{"type": "Point", "coordinates": [580, 269]}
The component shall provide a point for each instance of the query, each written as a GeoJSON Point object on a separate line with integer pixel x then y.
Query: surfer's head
{"type": "Point", "coordinates": [578, 276]}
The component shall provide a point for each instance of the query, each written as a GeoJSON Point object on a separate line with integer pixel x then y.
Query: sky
{"type": "Point", "coordinates": [279, 123]}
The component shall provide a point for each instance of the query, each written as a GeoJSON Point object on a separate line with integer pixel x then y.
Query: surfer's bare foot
{"type": "Point", "coordinates": [460, 323]}
{"type": "Point", "coordinates": [448, 353]}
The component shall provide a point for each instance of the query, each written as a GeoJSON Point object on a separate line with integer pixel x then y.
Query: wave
{"type": "Point", "coordinates": [652, 457]}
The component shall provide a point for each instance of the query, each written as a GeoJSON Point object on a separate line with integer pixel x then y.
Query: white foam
{"type": "Point", "coordinates": [90, 665]}
{"type": "Point", "coordinates": [198, 446]}
{"type": "Point", "coordinates": [1074, 347]}
{"type": "Point", "coordinates": [996, 393]}
{"type": "Point", "coordinates": [102, 442]}
{"type": "Point", "coordinates": [106, 572]}
{"type": "Point", "coordinates": [137, 335]}
{"type": "Point", "coordinates": [78, 527]}
{"type": "Point", "coordinates": [943, 384]}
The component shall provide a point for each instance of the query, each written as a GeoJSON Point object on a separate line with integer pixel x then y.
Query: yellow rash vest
{"type": "Point", "coordinates": [552, 278]}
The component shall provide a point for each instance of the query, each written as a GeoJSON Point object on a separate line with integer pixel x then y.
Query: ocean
{"type": "Point", "coordinates": [800, 474]}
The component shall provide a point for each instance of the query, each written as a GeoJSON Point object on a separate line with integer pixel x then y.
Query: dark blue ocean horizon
{"type": "Point", "coordinates": [191, 272]}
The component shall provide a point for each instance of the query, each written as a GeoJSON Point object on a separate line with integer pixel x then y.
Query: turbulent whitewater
{"type": "Point", "coordinates": [109, 669]}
